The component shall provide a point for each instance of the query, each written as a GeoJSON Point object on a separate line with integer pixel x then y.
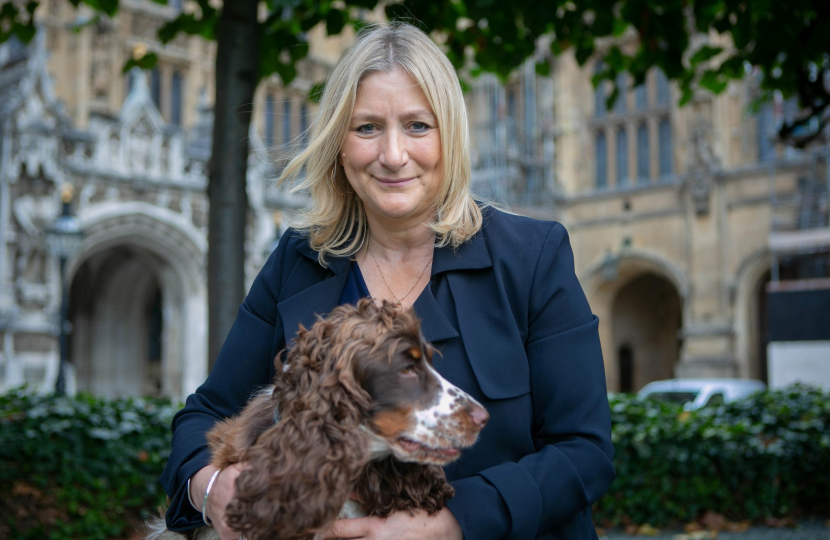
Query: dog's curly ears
{"type": "Point", "coordinates": [294, 489]}
{"type": "Point", "coordinates": [301, 471]}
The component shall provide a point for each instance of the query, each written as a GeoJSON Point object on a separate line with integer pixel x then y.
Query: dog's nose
{"type": "Point", "coordinates": [480, 416]}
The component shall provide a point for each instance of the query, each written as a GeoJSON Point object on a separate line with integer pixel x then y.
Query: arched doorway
{"type": "Point", "coordinates": [138, 304]}
{"type": "Point", "coordinates": [761, 332]}
{"type": "Point", "coordinates": [750, 312]}
{"type": "Point", "coordinates": [645, 318]}
{"type": "Point", "coordinates": [625, 363]}
{"type": "Point", "coordinates": [116, 346]}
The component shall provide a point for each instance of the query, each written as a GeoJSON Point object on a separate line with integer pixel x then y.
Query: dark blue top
{"type": "Point", "coordinates": [355, 287]}
{"type": "Point", "coordinates": [515, 332]}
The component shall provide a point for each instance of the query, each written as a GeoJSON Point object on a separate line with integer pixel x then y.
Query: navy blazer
{"type": "Point", "coordinates": [515, 331]}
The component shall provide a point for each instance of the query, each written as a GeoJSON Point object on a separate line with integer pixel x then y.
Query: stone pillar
{"type": "Point", "coordinates": [707, 350]}
{"type": "Point", "coordinates": [5, 212]}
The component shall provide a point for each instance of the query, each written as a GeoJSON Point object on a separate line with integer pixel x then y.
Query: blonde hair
{"type": "Point", "coordinates": [335, 222]}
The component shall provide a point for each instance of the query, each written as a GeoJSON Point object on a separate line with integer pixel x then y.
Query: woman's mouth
{"type": "Point", "coordinates": [394, 182]}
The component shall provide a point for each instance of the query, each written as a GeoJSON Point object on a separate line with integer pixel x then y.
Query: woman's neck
{"type": "Point", "coordinates": [396, 260]}
{"type": "Point", "coordinates": [400, 240]}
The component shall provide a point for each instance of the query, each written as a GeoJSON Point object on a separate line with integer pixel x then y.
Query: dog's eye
{"type": "Point", "coordinates": [408, 370]}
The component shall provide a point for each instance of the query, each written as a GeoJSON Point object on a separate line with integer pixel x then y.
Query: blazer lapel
{"type": "Point", "coordinates": [492, 345]}
{"type": "Point", "coordinates": [319, 290]}
{"type": "Point", "coordinates": [434, 324]}
{"type": "Point", "coordinates": [492, 341]}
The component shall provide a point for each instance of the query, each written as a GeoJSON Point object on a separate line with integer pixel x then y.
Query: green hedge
{"type": "Point", "coordinates": [80, 467]}
{"type": "Point", "coordinates": [87, 468]}
{"type": "Point", "coordinates": [766, 456]}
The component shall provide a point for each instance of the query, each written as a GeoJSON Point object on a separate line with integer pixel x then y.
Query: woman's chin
{"type": "Point", "coordinates": [398, 211]}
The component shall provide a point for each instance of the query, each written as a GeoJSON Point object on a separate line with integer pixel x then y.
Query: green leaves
{"type": "Point", "coordinates": [188, 23]}
{"type": "Point", "coordinates": [335, 21]}
{"type": "Point", "coordinates": [657, 34]}
{"type": "Point", "coordinates": [316, 92]}
{"type": "Point", "coordinates": [765, 456]}
{"type": "Point", "coordinates": [705, 53]}
{"type": "Point", "coordinates": [86, 467]}
{"type": "Point", "coordinates": [80, 467]}
{"type": "Point", "coordinates": [714, 81]}
{"type": "Point", "coordinates": [14, 22]}
{"type": "Point", "coordinates": [148, 61]}
{"type": "Point", "coordinates": [785, 42]}
{"type": "Point", "coordinates": [110, 7]}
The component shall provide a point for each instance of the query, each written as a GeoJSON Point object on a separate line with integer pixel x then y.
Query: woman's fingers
{"type": "Point", "coordinates": [349, 528]}
{"type": "Point", "coordinates": [221, 494]}
{"type": "Point", "coordinates": [399, 526]}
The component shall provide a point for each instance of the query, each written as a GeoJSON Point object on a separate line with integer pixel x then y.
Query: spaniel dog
{"type": "Point", "coordinates": [356, 409]}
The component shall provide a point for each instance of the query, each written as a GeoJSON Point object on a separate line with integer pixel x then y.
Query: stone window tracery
{"type": "Point", "coordinates": [665, 140]}
{"type": "Point", "coordinates": [643, 154]}
{"type": "Point", "coordinates": [176, 99]}
{"type": "Point", "coordinates": [601, 161]}
{"type": "Point", "coordinates": [286, 122]}
{"type": "Point", "coordinates": [269, 119]}
{"type": "Point", "coordinates": [622, 156]}
{"type": "Point", "coordinates": [629, 133]}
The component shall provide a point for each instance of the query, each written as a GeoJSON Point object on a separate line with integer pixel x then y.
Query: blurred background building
{"type": "Point", "coordinates": [685, 222]}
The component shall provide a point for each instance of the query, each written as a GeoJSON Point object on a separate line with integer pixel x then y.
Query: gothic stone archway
{"type": "Point", "coordinates": [116, 310]}
{"type": "Point", "coordinates": [646, 318]}
{"type": "Point", "coordinates": [139, 304]}
{"type": "Point", "coordinates": [603, 290]}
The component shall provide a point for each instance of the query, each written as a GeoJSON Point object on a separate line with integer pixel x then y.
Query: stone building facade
{"type": "Point", "coordinates": [134, 149]}
{"type": "Point", "coordinates": [674, 214]}
{"type": "Point", "coordinates": [670, 210]}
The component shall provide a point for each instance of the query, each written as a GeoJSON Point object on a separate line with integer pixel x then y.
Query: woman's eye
{"type": "Point", "coordinates": [366, 129]}
{"type": "Point", "coordinates": [419, 127]}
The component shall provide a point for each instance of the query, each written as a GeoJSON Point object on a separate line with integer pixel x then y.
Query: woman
{"type": "Point", "coordinates": [392, 217]}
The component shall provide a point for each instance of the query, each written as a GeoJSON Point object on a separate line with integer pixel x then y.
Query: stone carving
{"type": "Point", "coordinates": [702, 164]}
{"type": "Point", "coordinates": [100, 70]}
{"type": "Point", "coordinates": [145, 27]}
{"type": "Point", "coordinates": [114, 148]}
{"type": "Point", "coordinates": [132, 172]}
{"type": "Point", "coordinates": [140, 143]}
{"type": "Point", "coordinates": [165, 156]}
{"type": "Point", "coordinates": [34, 210]}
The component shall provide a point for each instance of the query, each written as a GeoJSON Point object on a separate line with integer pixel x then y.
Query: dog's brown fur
{"type": "Point", "coordinates": [301, 470]}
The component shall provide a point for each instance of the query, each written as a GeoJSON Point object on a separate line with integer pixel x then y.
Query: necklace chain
{"type": "Point", "coordinates": [401, 299]}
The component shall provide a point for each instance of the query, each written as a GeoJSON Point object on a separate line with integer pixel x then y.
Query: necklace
{"type": "Point", "coordinates": [401, 299]}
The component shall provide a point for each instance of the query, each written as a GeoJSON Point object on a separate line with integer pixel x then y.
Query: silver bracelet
{"type": "Point", "coordinates": [207, 492]}
{"type": "Point", "coordinates": [190, 498]}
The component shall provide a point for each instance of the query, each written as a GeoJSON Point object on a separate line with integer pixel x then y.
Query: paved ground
{"type": "Point", "coordinates": [805, 530]}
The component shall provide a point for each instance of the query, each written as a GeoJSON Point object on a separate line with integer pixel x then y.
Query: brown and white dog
{"type": "Point", "coordinates": [356, 407]}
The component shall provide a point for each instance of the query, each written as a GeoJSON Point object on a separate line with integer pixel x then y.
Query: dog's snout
{"type": "Point", "coordinates": [480, 416]}
{"type": "Point", "coordinates": [478, 413]}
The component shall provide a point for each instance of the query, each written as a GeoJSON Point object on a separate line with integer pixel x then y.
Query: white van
{"type": "Point", "coordinates": [698, 393]}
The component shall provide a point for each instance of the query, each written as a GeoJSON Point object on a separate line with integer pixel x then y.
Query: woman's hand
{"type": "Point", "coordinates": [221, 494]}
{"type": "Point", "coordinates": [399, 526]}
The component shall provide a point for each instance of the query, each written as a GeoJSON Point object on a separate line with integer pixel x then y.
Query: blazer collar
{"type": "Point", "coordinates": [471, 255]}
{"type": "Point", "coordinates": [337, 265]}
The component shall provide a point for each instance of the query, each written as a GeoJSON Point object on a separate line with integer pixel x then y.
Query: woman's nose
{"type": "Point", "coordinates": [393, 153]}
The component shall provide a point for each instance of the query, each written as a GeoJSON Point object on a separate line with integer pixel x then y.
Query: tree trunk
{"type": "Point", "coordinates": [237, 70]}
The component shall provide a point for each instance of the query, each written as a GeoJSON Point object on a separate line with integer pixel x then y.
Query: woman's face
{"type": "Point", "coordinates": [392, 152]}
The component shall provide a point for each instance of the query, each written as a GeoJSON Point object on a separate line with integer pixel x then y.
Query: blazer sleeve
{"type": "Point", "coordinates": [572, 467]}
{"type": "Point", "coordinates": [243, 365]}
